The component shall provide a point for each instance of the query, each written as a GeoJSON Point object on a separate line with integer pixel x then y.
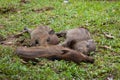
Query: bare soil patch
{"type": "Point", "coordinates": [43, 9]}
{"type": "Point", "coordinates": [24, 1]}
{"type": "Point", "coordinates": [9, 9]}
{"type": "Point", "coordinates": [15, 40]}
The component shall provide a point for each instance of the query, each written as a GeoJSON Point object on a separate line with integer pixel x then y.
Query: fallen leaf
{"type": "Point", "coordinates": [23, 61]}
{"type": "Point", "coordinates": [106, 47]}
{"type": "Point", "coordinates": [109, 36]}
{"type": "Point", "coordinates": [66, 1]}
{"type": "Point", "coordinates": [1, 26]}
{"type": "Point", "coordinates": [109, 77]}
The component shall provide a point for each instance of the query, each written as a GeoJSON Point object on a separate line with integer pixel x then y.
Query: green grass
{"type": "Point", "coordinates": [97, 16]}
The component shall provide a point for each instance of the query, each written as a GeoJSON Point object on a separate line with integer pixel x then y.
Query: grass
{"type": "Point", "coordinates": [97, 16]}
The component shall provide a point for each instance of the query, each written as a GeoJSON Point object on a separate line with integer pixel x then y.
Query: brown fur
{"type": "Point", "coordinates": [76, 35]}
{"type": "Point", "coordinates": [78, 39]}
{"type": "Point", "coordinates": [85, 47]}
{"type": "Point", "coordinates": [53, 52]}
{"type": "Point", "coordinates": [43, 36]}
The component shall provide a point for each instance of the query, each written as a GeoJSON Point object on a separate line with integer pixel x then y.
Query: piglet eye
{"type": "Point", "coordinates": [48, 39]}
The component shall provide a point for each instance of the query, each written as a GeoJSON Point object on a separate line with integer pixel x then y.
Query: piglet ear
{"type": "Point", "coordinates": [52, 32]}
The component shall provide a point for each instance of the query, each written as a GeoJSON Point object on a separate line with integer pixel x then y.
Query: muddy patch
{"type": "Point", "coordinates": [24, 1]}
{"type": "Point", "coordinates": [19, 39]}
{"type": "Point", "coordinates": [43, 9]}
{"type": "Point", "coordinates": [110, 22]}
{"type": "Point", "coordinates": [22, 41]}
{"type": "Point", "coordinates": [8, 9]}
